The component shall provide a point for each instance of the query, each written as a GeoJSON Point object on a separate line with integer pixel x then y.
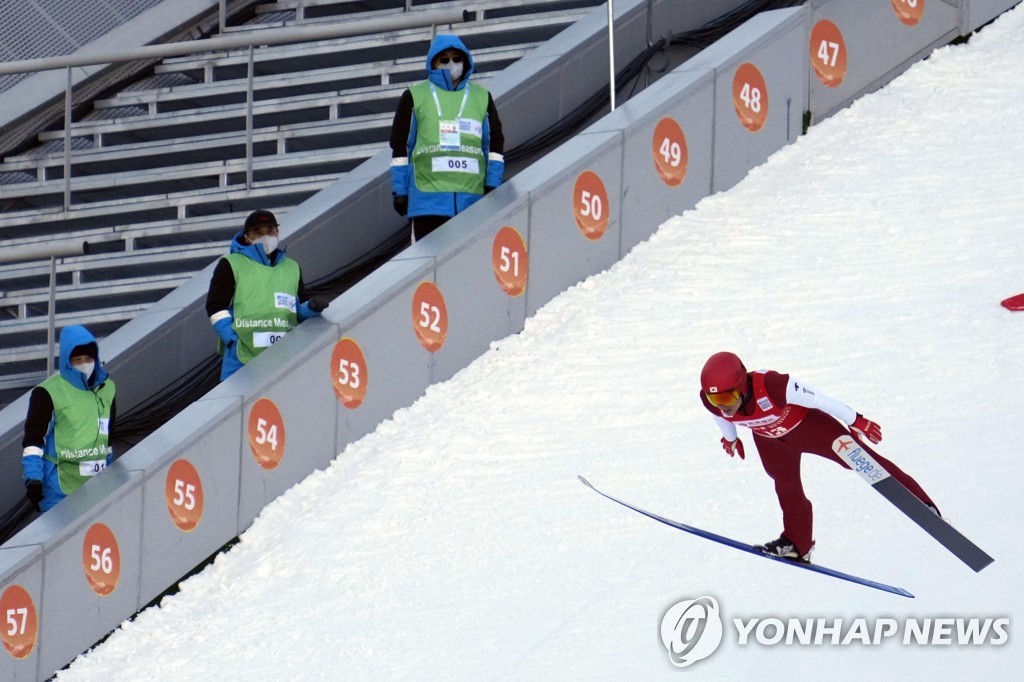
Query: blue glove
{"type": "Point", "coordinates": [225, 331]}
{"type": "Point", "coordinates": [313, 307]}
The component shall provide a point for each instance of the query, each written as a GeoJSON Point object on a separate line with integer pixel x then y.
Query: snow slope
{"type": "Point", "coordinates": [456, 543]}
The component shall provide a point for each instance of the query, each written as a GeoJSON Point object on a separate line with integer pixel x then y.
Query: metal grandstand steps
{"type": "Point", "coordinates": [395, 45]}
{"type": "Point", "coordinates": [286, 12]}
{"type": "Point", "coordinates": [163, 171]}
{"type": "Point", "coordinates": [29, 303]}
{"type": "Point", "coordinates": [175, 205]}
{"type": "Point", "coordinates": [196, 176]}
{"type": "Point", "coordinates": [277, 140]}
{"type": "Point", "coordinates": [192, 93]}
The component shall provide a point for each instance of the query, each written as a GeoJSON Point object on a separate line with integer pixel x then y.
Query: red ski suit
{"type": "Point", "coordinates": [783, 431]}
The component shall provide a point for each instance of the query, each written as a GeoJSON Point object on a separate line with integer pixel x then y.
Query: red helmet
{"type": "Point", "coordinates": [723, 372]}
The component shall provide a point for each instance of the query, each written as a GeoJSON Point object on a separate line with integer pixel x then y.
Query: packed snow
{"type": "Point", "coordinates": [454, 542]}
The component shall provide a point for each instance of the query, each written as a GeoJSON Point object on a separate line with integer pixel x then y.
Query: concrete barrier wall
{"type": "Point", "coordinates": [201, 479]}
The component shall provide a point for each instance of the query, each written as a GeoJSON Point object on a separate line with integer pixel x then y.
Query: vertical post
{"type": "Point", "coordinates": [223, 15]}
{"type": "Point", "coordinates": [249, 124]}
{"type": "Point", "coordinates": [611, 54]}
{"type": "Point", "coordinates": [51, 313]}
{"type": "Point", "coordinates": [67, 141]}
{"type": "Point", "coordinates": [650, 39]}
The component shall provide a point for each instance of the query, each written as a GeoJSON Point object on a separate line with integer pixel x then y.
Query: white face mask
{"type": "Point", "coordinates": [269, 243]}
{"type": "Point", "coordinates": [455, 69]}
{"type": "Point", "coordinates": [85, 368]}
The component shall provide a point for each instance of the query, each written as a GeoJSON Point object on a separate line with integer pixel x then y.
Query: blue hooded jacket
{"type": "Point", "coordinates": [34, 465]}
{"type": "Point", "coordinates": [441, 203]}
{"type": "Point", "coordinates": [256, 253]}
{"type": "Point", "coordinates": [223, 327]}
{"type": "Point", "coordinates": [70, 338]}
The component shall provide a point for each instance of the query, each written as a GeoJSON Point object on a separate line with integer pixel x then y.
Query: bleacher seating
{"type": "Point", "coordinates": [159, 173]}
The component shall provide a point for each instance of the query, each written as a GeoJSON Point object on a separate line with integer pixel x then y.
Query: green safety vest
{"type": "Point", "coordinates": [265, 307]}
{"type": "Point", "coordinates": [81, 430]}
{"type": "Point", "coordinates": [449, 155]}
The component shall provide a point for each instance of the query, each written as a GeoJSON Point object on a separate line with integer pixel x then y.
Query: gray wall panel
{"type": "Point", "coordinates": [879, 46]}
{"type": "Point", "coordinates": [560, 254]}
{"type": "Point", "coordinates": [479, 311]}
{"type": "Point", "coordinates": [648, 198]}
{"type": "Point", "coordinates": [76, 611]}
{"type": "Point", "coordinates": [398, 368]}
{"type": "Point", "coordinates": [172, 550]}
{"type": "Point", "coordinates": [775, 43]}
{"type": "Point", "coordinates": [22, 568]}
{"type": "Point", "coordinates": [306, 410]}
{"type": "Point", "coordinates": [979, 12]}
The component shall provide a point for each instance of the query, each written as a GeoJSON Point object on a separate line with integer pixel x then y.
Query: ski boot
{"type": "Point", "coordinates": [783, 547]}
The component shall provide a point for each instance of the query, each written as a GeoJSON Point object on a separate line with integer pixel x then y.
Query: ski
{"type": "Point", "coordinates": [917, 511]}
{"type": "Point", "coordinates": [1014, 302]}
{"type": "Point", "coordinates": [750, 549]}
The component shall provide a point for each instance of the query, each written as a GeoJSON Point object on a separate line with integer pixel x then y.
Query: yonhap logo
{"type": "Point", "coordinates": [691, 630]}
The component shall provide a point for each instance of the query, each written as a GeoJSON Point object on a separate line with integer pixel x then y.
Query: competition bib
{"type": "Point", "coordinates": [266, 339]}
{"type": "Point", "coordinates": [454, 164]}
{"type": "Point", "coordinates": [91, 468]}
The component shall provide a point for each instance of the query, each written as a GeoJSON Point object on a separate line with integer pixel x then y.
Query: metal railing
{"type": "Point", "coordinates": [276, 36]}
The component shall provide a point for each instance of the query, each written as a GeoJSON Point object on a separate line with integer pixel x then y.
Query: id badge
{"type": "Point", "coordinates": [450, 140]}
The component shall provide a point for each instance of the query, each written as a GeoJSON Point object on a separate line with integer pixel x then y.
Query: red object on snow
{"type": "Point", "coordinates": [1014, 302]}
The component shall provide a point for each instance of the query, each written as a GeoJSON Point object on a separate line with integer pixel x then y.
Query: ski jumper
{"type": "Point", "coordinates": [789, 418]}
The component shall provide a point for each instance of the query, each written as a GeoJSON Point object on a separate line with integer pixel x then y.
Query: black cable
{"type": "Point", "coordinates": [161, 407]}
{"type": "Point", "coordinates": [716, 28]}
{"type": "Point", "coordinates": [14, 519]}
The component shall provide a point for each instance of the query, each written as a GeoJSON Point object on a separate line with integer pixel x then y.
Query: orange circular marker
{"type": "Point", "coordinates": [510, 261]}
{"type": "Point", "coordinates": [828, 53]}
{"type": "Point", "coordinates": [669, 149]}
{"type": "Point", "coordinates": [348, 373]}
{"type": "Point", "coordinates": [429, 316]}
{"type": "Point", "coordinates": [266, 433]}
{"type": "Point", "coordinates": [750, 97]}
{"type": "Point", "coordinates": [908, 11]}
{"type": "Point", "coordinates": [21, 625]}
{"type": "Point", "coordinates": [101, 559]}
{"type": "Point", "coordinates": [590, 205]}
{"type": "Point", "coordinates": [183, 493]}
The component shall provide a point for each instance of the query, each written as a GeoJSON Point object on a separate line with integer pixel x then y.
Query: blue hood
{"type": "Point", "coordinates": [70, 338]}
{"type": "Point", "coordinates": [440, 77]}
{"type": "Point", "coordinates": [255, 251]}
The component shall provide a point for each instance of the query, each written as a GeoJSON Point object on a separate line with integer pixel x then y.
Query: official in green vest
{"type": "Point", "coordinates": [256, 294]}
{"type": "Point", "coordinates": [68, 424]}
{"type": "Point", "coordinates": [447, 145]}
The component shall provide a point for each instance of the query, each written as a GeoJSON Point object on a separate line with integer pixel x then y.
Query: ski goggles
{"type": "Point", "coordinates": [724, 399]}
